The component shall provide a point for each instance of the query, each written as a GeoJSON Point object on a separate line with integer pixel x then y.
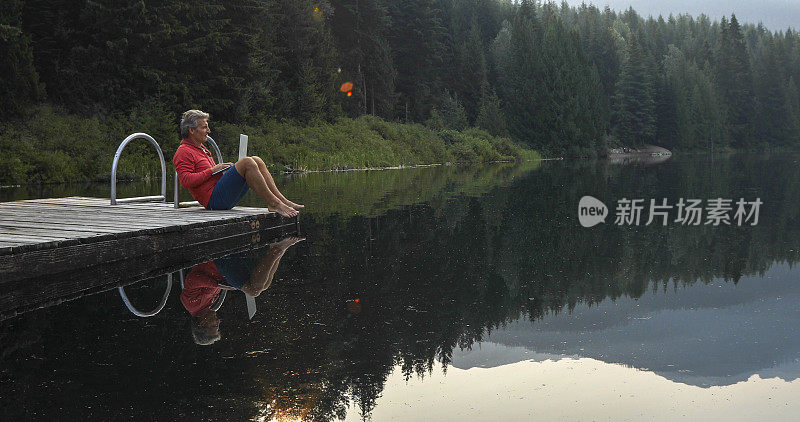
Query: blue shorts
{"type": "Point", "coordinates": [229, 190]}
{"type": "Point", "coordinates": [236, 269]}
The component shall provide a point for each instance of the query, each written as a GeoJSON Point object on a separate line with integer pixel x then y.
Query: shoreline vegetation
{"type": "Point", "coordinates": [52, 147]}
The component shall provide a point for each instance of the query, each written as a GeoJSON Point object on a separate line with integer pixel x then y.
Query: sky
{"type": "Point", "coordinates": [775, 14]}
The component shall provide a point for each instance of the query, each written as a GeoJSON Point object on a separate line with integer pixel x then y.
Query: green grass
{"type": "Point", "coordinates": [52, 147]}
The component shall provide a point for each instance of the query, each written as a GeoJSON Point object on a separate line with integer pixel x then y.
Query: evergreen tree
{"type": "Point", "coordinates": [735, 82]}
{"type": "Point", "coordinates": [792, 98]}
{"type": "Point", "coordinates": [520, 72]}
{"type": "Point", "coordinates": [633, 102]}
{"type": "Point", "coordinates": [419, 43]}
{"type": "Point", "coordinates": [307, 78]}
{"type": "Point", "coordinates": [490, 114]}
{"type": "Point", "coordinates": [771, 120]}
{"type": "Point", "coordinates": [471, 73]}
{"type": "Point", "coordinates": [19, 87]}
{"type": "Point", "coordinates": [360, 28]}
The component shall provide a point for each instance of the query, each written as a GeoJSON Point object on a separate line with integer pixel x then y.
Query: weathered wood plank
{"type": "Point", "coordinates": [117, 220]}
{"type": "Point", "coordinates": [109, 224]}
{"type": "Point", "coordinates": [99, 217]}
{"type": "Point", "coordinates": [78, 210]}
{"type": "Point", "coordinates": [70, 239]}
{"type": "Point", "coordinates": [28, 239]}
{"type": "Point", "coordinates": [75, 231]}
{"type": "Point", "coordinates": [153, 214]}
{"type": "Point", "coordinates": [104, 203]}
{"type": "Point", "coordinates": [44, 229]}
{"type": "Point", "coordinates": [159, 230]}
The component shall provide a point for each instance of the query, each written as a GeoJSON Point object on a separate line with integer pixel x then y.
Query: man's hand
{"type": "Point", "coordinates": [220, 166]}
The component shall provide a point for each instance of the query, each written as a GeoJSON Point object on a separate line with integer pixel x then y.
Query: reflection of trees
{"type": "Point", "coordinates": [429, 278]}
{"type": "Point", "coordinates": [445, 279]}
{"type": "Point", "coordinates": [372, 193]}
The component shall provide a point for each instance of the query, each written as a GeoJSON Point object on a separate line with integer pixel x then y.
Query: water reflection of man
{"type": "Point", "coordinates": [248, 272]}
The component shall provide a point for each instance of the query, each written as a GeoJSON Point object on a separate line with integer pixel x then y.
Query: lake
{"type": "Point", "coordinates": [451, 293]}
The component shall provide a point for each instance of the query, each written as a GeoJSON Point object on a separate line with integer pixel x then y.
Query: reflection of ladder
{"type": "Point", "coordinates": [250, 300]}
{"type": "Point", "coordinates": [163, 196]}
{"type": "Point", "coordinates": [158, 308]}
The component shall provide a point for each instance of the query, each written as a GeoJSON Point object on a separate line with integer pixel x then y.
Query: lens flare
{"type": "Point", "coordinates": [317, 13]}
{"type": "Point", "coordinates": [347, 86]}
{"type": "Point", "coordinates": [349, 93]}
{"type": "Point", "coordinates": [354, 306]}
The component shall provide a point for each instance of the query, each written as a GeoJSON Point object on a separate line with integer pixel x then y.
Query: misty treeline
{"type": "Point", "coordinates": [560, 79]}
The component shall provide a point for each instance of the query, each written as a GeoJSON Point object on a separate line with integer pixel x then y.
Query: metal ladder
{"type": "Point", "coordinates": [153, 198]}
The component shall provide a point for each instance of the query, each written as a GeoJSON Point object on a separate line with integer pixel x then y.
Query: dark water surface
{"type": "Point", "coordinates": [450, 293]}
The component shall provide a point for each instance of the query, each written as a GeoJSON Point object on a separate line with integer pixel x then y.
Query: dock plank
{"type": "Point", "coordinates": [32, 228]}
{"type": "Point", "coordinates": [75, 231]}
{"type": "Point", "coordinates": [106, 223]}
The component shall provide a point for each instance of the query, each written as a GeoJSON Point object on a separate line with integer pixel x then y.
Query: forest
{"type": "Point", "coordinates": [553, 78]}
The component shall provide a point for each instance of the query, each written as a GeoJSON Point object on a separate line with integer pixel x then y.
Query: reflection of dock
{"type": "Point", "coordinates": [46, 236]}
{"type": "Point", "coordinates": [20, 296]}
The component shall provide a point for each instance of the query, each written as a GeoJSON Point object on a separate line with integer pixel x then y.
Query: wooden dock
{"type": "Point", "coordinates": [46, 236]}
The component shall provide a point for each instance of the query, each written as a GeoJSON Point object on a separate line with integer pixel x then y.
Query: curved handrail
{"type": "Point", "coordinates": [153, 312]}
{"type": "Point", "coordinates": [114, 165]}
{"type": "Point", "coordinates": [211, 141]}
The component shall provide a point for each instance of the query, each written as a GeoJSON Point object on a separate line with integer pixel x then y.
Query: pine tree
{"type": "Point", "coordinates": [471, 73]}
{"type": "Point", "coordinates": [771, 117]}
{"type": "Point", "coordinates": [419, 43]}
{"type": "Point", "coordinates": [735, 82]}
{"type": "Point", "coordinates": [490, 114]}
{"type": "Point", "coordinates": [306, 83]}
{"type": "Point", "coordinates": [19, 86]}
{"type": "Point", "coordinates": [792, 101]}
{"type": "Point", "coordinates": [520, 69]}
{"type": "Point", "coordinates": [360, 29]}
{"type": "Point", "coordinates": [634, 121]}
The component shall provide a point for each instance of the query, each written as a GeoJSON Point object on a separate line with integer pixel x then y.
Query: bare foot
{"type": "Point", "coordinates": [289, 241]}
{"type": "Point", "coordinates": [291, 204]}
{"type": "Point", "coordinates": [283, 210]}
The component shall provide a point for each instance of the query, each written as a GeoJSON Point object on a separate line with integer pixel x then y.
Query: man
{"type": "Point", "coordinates": [218, 190]}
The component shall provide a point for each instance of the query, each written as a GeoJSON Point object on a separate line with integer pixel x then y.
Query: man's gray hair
{"type": "Point", "coordinates": [203, 335]}
{"type": "Point", "coordinates": [190, 119]}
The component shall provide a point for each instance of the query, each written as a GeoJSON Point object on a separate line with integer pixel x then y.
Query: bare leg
{"type": "Point", "coordinates": [248, 168]}
{"type": "Point", "coordinates": [262, 275]}
{"type": "Point", "coordinates": [271, 184]}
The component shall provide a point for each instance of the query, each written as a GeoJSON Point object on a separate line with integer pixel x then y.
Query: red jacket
{"type": "Point", "coordinates": [201, 287]}
{"type": "Point", "coordinates": [193, 164]}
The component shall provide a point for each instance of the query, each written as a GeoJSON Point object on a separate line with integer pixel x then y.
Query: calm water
{"type": "Point", "coordinates": [452, 293]}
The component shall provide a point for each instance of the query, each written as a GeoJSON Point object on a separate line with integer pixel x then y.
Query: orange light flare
{"type": "Point", "coordinates": [347, 86]}
{"type": "Point", "coordinates": [317, 13]}
{"type": "Point", "coordinates": [349, 93]}
{"type": "Point", "coordinates": [354, 306]}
